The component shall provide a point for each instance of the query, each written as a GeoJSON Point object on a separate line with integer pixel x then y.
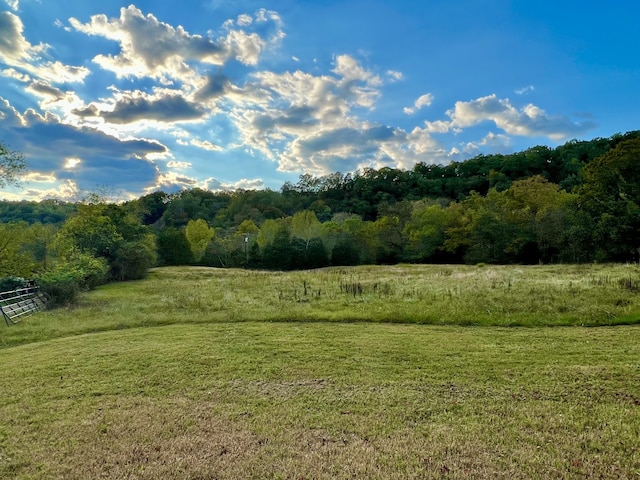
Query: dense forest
{"type": "Point", "coordinates": [579, 202]}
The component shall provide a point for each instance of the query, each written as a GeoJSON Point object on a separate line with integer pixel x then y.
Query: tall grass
{"type": "Point", "coordinates": [580, 295]}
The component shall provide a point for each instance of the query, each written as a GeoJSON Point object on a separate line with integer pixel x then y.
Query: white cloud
{"type": "Point", "coordinates": [438, 126]}
{"type": "Point", "coordinates": [244, 184]}
{"type": "Point", "coordinates": [65, 190]}
{"type": "Point", "coordinates": [17, 52]}
{"type": "Point", "coordinates": [530, 121]}
{"type": "Point", "coordinates": [13, 4]}
{"type": "Point", "coordinates": [151, 48]}
{"type": "Point", "coordinates": [38, 177]}
{"type": "Point", "coordinates": [71, 162]}
{"type": "Point", "coordinates": [394, 75]}
{"type": "Point", "coordinates": [309, 123]}
{"type": "Point", "coordinates": [173, 181]}
{"type": "Point", "coordinates": [524, 90]}
{"type": "Point", "coordinates": [422, 101]}
{"type": "Point", "coordinates": [179, 165]}
{"type": "Point", "coordinates": [202, 144]}
{"type": "Point", "coordinates": [491, 143]}
{"type": "Point", "coordinates": [246, 47]}
{"type": "Point", "coordinates": [54, 100]}
{"type": "Point", "coordinates": [206, 145]}
{"type": "Point", "coordinates": [16, 75]}
{"type": "Point", "coordinates": [244, 20]}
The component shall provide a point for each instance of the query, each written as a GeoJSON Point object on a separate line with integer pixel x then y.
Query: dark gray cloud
{"type": "Point", "coordinates": [358, 141]}
{"type": "Point", "coordinates": [89, 111]}
{"type": "Point", "coordinates": [171, 108]}
{"type": "Point", "coordinates": [46, 90]}
{"type": "Point", "coordinates": [104, 159]}
{"type": "Point", "coordinates": [300, 117]}
{"type": "Point", "coordinates": [216, 86]}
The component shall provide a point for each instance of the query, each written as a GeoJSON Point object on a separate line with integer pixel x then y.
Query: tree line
{"type": "Point", "coordinates": [579, 202]}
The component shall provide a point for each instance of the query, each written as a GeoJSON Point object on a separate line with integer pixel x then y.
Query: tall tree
{"type": "Point", "coordinates": [199, 234]}
{"type": "Point", "coordinates": [112, 232]}
{"type": "Point", "coordinates": [306, 230]}
{"type": "Point", "coordinates": [611, 195]}
{"type": "Point", "coordinates": [173, 247]}
{"type": "Point", "coordinates": [425, 231]}
{"type": "Point", "coordinates": [14, 260]}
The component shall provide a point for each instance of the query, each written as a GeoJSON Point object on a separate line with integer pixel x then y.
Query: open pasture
{"type": "Point", "coordinates": [224, 374]}
{"type": "Point", "coordinates": [534, 296]}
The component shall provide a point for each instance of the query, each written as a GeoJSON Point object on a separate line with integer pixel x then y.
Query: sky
{"type": "Point", "coordinates": [130, 98]}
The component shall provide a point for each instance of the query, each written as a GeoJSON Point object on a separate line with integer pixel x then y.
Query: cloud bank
{"type": "Point", "coordinates": [169, 108]}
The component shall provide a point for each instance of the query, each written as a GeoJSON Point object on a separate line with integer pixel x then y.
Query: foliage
{"type": "Point", "coordinates": [80, 272]}
{"type": "Point", "coordinates": [276, 255]}
{"type": "Point", "coordinates": [425, 231]}
{"type": "Point", "coordinates": [173, 247]}
{"type": "Point", "coordinates": [11, 165]}
{"type": "Point", "coordinates": [133, 259]}
{"type": "Point", "coordinates": [15, 259]}
{"type": "Point", "coordinates": [575, 203]}
{"type": "Point", "coordinates": [45, 212]}
{"type": "Point", "coordinates": [111, 232]}
{"type": "Point", "coordinates": [198, 234]}
{"type": "Point", "coordinates": [611, 196]}
{"type": "Point", "coordinates": [11, 283]}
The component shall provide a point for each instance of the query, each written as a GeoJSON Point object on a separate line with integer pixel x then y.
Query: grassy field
{"type": "Point", "coordinates": [222, 374]}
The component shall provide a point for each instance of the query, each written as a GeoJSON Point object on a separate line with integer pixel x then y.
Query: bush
{"type": "Point", "coordinates": [62, 288]}
{"type": "Point", "coordinates": [11, 283]}
{"type": "Point", "coordinates": [133, 260]}
{"type": "Point", "coordinates": [64, 283]}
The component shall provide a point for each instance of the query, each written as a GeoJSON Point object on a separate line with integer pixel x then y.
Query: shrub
{"type": "Point", "coordinates": [11, 283]}
{"type": "Point", "coordinates": [133, 260]}
{"type": "Point", "coordinates": [62, 288]}
{"type": "Point", "coordinates": [64, 283]}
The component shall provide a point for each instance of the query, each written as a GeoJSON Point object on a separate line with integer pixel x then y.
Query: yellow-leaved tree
{"type": "Point", "coordinates": [199, 234]}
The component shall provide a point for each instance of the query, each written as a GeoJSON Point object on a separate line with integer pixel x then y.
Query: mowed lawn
{"type": "Point", "coordinates": [165, 379]}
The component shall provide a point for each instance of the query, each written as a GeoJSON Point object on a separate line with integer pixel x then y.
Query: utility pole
{"type": "Point", "coordinates": [246, 249]}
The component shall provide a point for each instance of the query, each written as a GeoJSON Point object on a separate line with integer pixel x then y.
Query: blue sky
{"type": "Point", "coordinates": [130, 98]}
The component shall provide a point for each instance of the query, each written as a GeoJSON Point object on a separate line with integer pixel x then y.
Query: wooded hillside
{"type": "Point", "coordinates": [579, 202]}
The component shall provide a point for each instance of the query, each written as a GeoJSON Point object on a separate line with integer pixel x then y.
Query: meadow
{"type": "Point", "coordinates": [431, 371]}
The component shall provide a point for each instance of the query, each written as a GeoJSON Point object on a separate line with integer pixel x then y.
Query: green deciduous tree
{"type": "Point", "coordinates": [90, 231]}
{"type": "Point", "coordinates": [611, 196]}
{"type": "Point", "coordinates": [14, 260]}
{"type": "Point", "coordinates": [173, 247]}
{"type": "Point", "coordinates": [307, 246]}
{"type": "Point", "coordinates": [11, 165]}
{"type": "Point", "coordinates": [111, 232]}
{"type": "Point", "coordinates": [425, 231]}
